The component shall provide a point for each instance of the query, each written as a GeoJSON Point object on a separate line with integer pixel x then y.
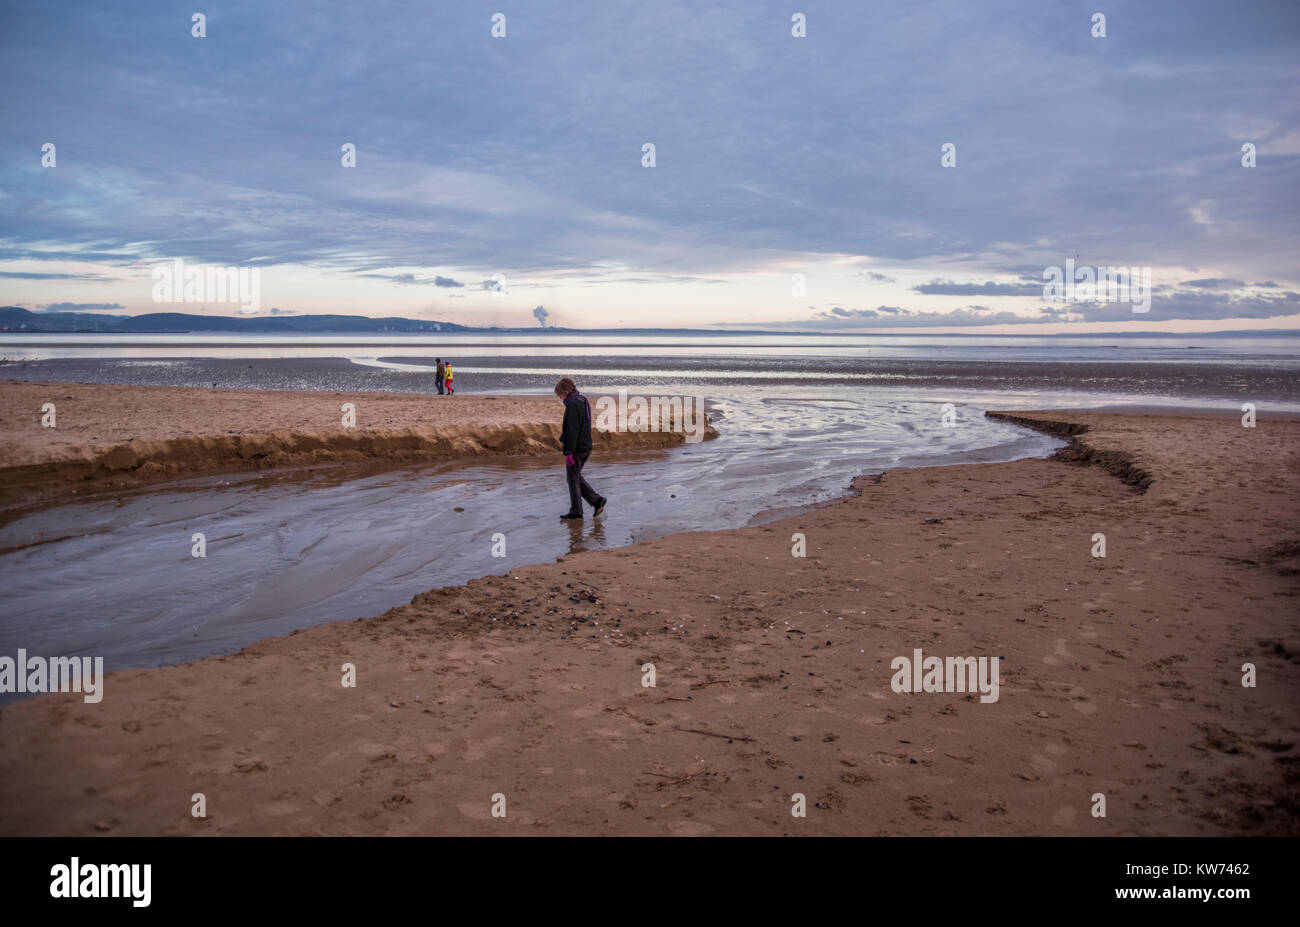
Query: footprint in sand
{"type": "Point", "coordinates": [377, 753]}
{"type": "Point", "coordinates": [1079, 700]}
{"type": "Point", "coordinates": [1042, 763]}
{"type": "Point", "coordinates": [1064, 817]}
{"type": "Point", "coordinates": [1060, 653]}
{"type": "Point", "coordinates": [1077, 696]}
{"type": "Point", "coordinates": [689, 829]}
{"type": "Point", "coordinates": [610, 739]}
{"type": "Point", "coordinates": [480, 749]}
{"type": "Point", "coordinates": [476, 810]}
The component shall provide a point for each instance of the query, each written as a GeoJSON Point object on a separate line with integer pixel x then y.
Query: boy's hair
{"type": "Point", "coordinates": [438, 359]}
{"type": "Point", "coordinates": [564, 387]}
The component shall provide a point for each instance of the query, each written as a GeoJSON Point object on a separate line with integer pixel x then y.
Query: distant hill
{"type": "Point", "coordinates": [14, 319]}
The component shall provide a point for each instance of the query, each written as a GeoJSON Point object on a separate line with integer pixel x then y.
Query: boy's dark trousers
{"type": "Point", "coordinates": [439, 387]}
{"type": "Point", "coordinates": [577, 484]}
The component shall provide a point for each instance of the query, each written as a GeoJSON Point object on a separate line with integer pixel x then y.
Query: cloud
{"type": "Point", "coordinates": [1184, 305]}
{"type": "Point", "coordinates": [399, 279]}
{"type": "Point", "coordinates": [988, 288]}
{"type": "Point", "coordinates": [409, 278]}
{"type": "Point", "coordinates": [10, 253]}
{"type": "Point", "coordinates": [838, 312]}
{"type": "Point", "coordinates": [29, 275]}
{"type": "Point", "coordinates": [1056, 313]}
{"type": "Point", "coordinates": [1166, 305]}
{"type": "Point", "coordinates": [80, 307]}
{"type": "Point", "coordinates": [783, 161]}
{"type": "Point", "coordinates": [541, 314]}
{"type": "Point", "coordinates": [898, 317]}
{"type": "Point", "coordinates": [1213, 283]}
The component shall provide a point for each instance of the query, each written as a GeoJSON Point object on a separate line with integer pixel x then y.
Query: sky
{"type": "Point", "coordinates": [798, 182]}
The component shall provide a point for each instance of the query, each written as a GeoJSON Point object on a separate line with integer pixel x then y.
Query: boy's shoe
{"type": "Point", "coordinates": [600, 507]}
{"type": "Point", "coordinates": [571, 515]}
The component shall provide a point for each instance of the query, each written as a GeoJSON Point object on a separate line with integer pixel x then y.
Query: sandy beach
{"type": "Point", "coordinates": [110, 437]}
{"type": "Point", "coordinates": [1119, 676]}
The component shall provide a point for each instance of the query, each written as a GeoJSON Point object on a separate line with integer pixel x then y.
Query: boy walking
{"type": "Point", "coordinates": [441, 375]}
{"type": "Point", "coordinates": [575, 441]}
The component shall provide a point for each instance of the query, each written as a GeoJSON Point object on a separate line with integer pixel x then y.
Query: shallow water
{"type": "Point", "coordinates": [1125, 374]}
{"type": "Point", "coordinates": [667, 346]}
{"type": "Point", "coordinates": [115, 578]}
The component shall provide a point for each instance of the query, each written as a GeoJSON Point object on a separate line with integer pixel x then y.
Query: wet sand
{"type": "Point", "coordinates": [292, 548]}
{"type": "Point", "coordinates": [112, 437]}
{"type": "Point", "coordinates": [1120, 676]}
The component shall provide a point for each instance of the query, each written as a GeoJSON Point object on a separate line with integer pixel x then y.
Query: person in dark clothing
{"type": "Point", "coordinates": [575, 439]}
{"type": "Point", "coordinates": [441, 374]}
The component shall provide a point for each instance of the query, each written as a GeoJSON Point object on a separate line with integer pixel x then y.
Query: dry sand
{"type": "Point", "coordinates": [111, 437]}
{"type": "Point", "coordinates": [1119, 676]}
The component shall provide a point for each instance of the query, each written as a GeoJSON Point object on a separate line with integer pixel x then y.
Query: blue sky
{"type": "Point", "coordinates": [496, 175]}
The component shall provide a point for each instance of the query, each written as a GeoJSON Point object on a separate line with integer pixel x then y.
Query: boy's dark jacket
{"type": "Point", "coordinates": [575, 434]}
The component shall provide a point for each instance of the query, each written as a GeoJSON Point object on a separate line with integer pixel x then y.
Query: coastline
{"type": "Point", "coordinates": [1120, 675]}
{"type": "Point", "coordinates": [1262, 379]}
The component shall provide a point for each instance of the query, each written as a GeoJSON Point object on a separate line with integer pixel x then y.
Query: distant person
{"type": "Point", "coordinates": [575, 441]}
{"type": "Point", "coordinates": [447, 372]}
{"type": "Point", "coordinates": [441, 376]}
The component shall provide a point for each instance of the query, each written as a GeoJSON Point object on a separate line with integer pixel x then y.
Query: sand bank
{"type": "Point", "coordinates": [1119, 676]}
{"type": "Point", "coordinates": [108, 437]}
